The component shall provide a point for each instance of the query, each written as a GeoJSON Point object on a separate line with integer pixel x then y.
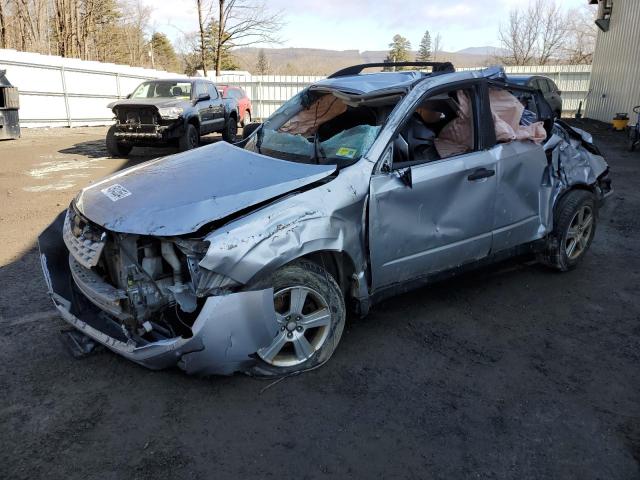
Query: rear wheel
{"type": "Point", "coordinates": [310, 312]}
{"type": "Point", "coordinates": [574, 228]}
{"type": "Point", "coordinates": [189, 139]}
{"type": "Point", "coordinates": [115, 148]}
{"type": "Point", "coordinates": [230, 132]}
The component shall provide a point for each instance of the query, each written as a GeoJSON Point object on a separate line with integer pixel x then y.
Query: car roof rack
{"type": "Point", "coordinates": [356, 69]}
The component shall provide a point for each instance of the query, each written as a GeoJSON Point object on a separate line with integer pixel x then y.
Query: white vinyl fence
{"type": "Point", "coordinates": [56, 91]}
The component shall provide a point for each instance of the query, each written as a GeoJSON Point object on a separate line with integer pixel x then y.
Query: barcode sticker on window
{"type": "Point", "coordinates": [115, 192]}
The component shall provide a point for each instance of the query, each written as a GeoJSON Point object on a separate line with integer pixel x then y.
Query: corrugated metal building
{"type": "Point", "coordinates": [615, 74]}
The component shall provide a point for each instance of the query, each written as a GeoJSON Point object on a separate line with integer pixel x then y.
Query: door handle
{"type": "Point", "coordinates": [480, 174]}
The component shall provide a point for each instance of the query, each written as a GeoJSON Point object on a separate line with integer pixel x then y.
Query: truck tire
{"type": "Point", "coordinates": [574, 226]}
{"type": "Point", "coordinates": [190, 139]}
{"type": "Point", "coordinates": [230, 132]}
{"type": "Point", "coordinates": [310, 326]}
{"type": "Point", "coordinates": [115, 148]}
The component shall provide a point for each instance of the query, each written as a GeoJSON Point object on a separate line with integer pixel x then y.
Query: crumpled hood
{"type": "Point", "coordinates": [178, 194]}
{"type": "Point", "coordinates": [145, 102]}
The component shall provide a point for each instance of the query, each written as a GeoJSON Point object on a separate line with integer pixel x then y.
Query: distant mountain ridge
{"type": "Point", "coordinates": [317, 61]}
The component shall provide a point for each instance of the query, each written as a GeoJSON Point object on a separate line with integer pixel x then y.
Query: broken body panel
{"type": "Point", "coordinates": [235, 216]}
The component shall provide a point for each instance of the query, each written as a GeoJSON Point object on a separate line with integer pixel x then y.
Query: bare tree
{"type": "Point", "coordinates": [3, 27]}
{"type": "Point", "coordinates": [581, 35]}
{"type": "Point", "coordinates": [552, 31]}
{"type": "Point", "coordinates": [437, 46]}
{"type": "Point", "coordinates": [535, 34]}
{"type": "Point", "coordinates": [204, 10]}
{"type": "Point", "coordinates": [242, 23]}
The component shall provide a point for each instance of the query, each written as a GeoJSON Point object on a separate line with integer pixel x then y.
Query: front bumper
{"type": "Point", "coordinates": [226, 334]}
{"type": "Point", "coordinates": [141, 133]}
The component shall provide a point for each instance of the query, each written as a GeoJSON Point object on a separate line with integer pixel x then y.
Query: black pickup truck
{"type": "Point", "coordinates": [171, 112]}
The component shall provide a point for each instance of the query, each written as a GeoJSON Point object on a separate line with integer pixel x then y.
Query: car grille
{"type": "Point", "coordinates": [137, 116]}
{"type": "Point", "coordinates": [84, 241]}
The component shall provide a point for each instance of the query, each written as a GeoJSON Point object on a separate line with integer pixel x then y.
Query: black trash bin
{"type": "Point", "coordinates": [9, 105]}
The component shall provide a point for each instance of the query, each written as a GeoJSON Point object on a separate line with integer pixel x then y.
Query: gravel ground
{"type": "Point", "coordinates": [509, 372]}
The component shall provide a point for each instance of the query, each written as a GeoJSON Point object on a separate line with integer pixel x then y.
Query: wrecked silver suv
{"type": "Point", "coordinates": [247, 257]}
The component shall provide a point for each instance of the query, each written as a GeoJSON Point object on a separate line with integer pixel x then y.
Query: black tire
{"type": "Point", "coordinates": [558, 253]}
{"type": "Point", "coordinates": [318, 281]}
{"type": "Point", "coordinates": [246, 119]}
{"type": "Point", "coordinates": [190, 139]}
{"type": "Point", "coordinates": [115, 148]}
{"type": "Point", "coordinates": [249, 129]}
{"type": "Point", "coordinates": [230, 132]}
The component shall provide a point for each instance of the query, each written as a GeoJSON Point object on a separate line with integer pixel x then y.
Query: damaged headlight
{"type": "Point", "coordinates": [170, 113]}
{"type": "Point", "coordinates": [192, 248]}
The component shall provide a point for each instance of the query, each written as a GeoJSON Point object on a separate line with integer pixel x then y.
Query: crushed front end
{"type": "Point", "coordinates": [144, 125]}
{"type": "Point", "coordinates": [147, 299]}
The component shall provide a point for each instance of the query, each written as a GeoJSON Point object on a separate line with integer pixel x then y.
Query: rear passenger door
{"type": "Point", "coordinates": [519, 213]}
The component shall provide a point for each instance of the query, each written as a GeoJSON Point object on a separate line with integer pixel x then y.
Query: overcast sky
{"type": "Point", "coordinates": [366, 25]}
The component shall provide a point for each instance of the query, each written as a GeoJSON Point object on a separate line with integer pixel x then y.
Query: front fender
{"type": "Point", "coordinates": [267, 242]}
{"type": "Point", "coordinates": [330, 217]}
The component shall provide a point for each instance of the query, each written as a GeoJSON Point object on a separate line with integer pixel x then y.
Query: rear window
{"type": "Point", "coordinates": [543, 85]}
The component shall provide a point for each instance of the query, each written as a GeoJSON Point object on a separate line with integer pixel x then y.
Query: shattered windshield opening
{"type": "Point", "coordinates": [318, 127]}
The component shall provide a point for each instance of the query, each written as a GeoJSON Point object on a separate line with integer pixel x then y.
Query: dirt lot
{"type": "Point", "coordinates": [510, 372]}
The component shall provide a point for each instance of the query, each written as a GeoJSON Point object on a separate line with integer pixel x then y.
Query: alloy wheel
{"type": "Point", "coordinates": [304, 324]}
{"type": "Point", "coordinates": [579, 232]}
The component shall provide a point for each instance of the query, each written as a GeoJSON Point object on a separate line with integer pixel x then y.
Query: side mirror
{"type": "Point", "coordinates": [202, 97]}
{"type": "Point", "coordinates": [129, 95]}
{"type": "Point", "coordinates": [406, 177]}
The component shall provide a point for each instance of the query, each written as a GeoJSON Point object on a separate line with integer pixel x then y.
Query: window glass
{"type": "Point", "coordinates": [440, 127]}
{"type": "Point", "coordinates": [543, 85]}
{"type": "Point", "coordinates": [162, 89]}
{"type": "Point", "coordinates": [213, 92]}
{"type": "Point", "coordinates": [201, 89]}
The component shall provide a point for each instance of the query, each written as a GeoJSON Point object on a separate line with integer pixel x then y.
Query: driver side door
{"type": "Point", "coordinates": [439, 219]}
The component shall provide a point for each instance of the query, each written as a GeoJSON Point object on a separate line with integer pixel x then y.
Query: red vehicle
{"type": "Point", "coordinates": [244, 102]}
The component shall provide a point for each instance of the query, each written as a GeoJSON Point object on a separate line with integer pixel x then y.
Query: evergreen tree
{"type": "Point", "coordinates": [227, 61]}
{"type": "Point", "coordinates": [164, 56]}
{"type": "Point", "coordinates": [262, 64]}
{"type": "Point", "coordinates": [399, 50]}
{"type": "Point", "coordinates": [424, 52]}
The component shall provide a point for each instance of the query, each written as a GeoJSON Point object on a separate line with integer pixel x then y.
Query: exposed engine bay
{"type": "Point", "coordinates": [151, 285]}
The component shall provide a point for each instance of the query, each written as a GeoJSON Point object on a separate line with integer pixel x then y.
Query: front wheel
{"type": "Point", "coordinates": [310, 312]}
{"type": "Point", "coordinates": [574, 227]}
{"type": "Point", "coordinates": [189, 139]}
{"type": "Point", "coordinates": [115, 148]}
